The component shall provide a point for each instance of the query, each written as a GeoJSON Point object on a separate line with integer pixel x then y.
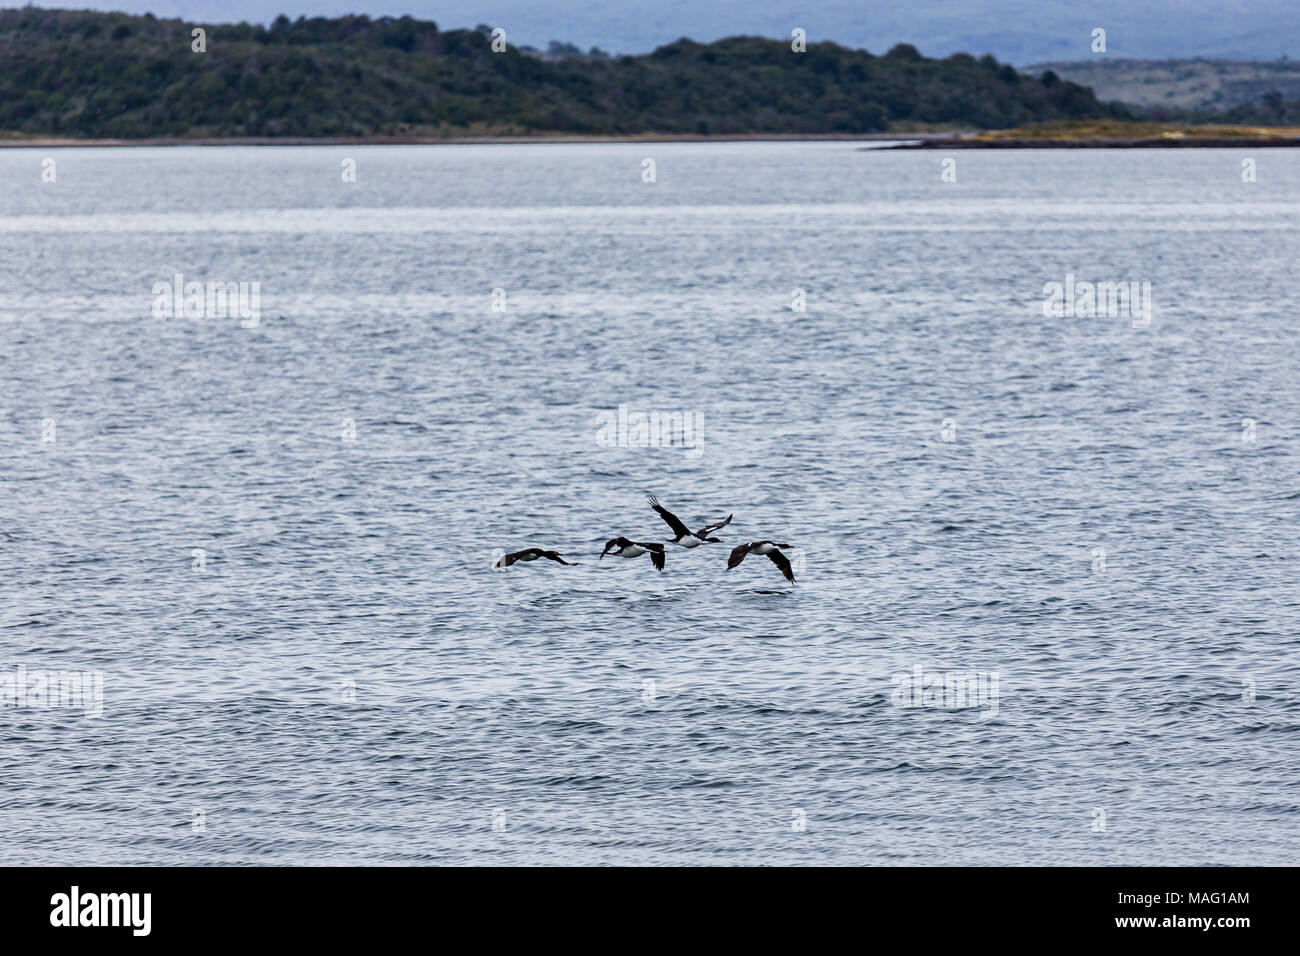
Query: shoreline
{"type": "Point", "coordinates": [888, 141]}
{"type": "Point", "coordinates": [51, 142]}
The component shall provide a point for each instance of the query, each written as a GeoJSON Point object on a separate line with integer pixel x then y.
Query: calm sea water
{"type": "Point", "coordinates": [1102, 517]}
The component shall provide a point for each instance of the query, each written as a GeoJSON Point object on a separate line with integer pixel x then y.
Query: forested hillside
{"type": "Point", "coordinates": [82, 74]}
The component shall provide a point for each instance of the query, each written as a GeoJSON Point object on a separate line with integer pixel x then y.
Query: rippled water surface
{"type": "Point", "coordinates": [346, 680]}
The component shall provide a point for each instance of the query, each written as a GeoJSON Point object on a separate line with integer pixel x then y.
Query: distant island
{"type": "Point", "coordinates": [80, 75]}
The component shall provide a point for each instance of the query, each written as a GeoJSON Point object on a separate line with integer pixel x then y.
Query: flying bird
{"type": "Point", "coordinates": [531, 554]}
{"type": "Point", "coordinates": [685, 537]}
{"type": "Point", "coordinates": [763, 547]}
{"type": "Point", "coordinates": [634, 549]}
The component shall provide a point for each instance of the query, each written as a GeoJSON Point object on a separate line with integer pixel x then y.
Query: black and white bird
{"type": "Point", "coordinates": [634, 549]}
{"type": "Point", "coordinates": [773, 551]}
{"type": "Point", "coordinates": [685, 537]}
{"type": "Point", "coordinates": [531, 554]}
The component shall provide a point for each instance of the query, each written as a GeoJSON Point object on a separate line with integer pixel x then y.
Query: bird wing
{"type": "Point", "coordinates": [657, 559]}
{"type": "Point", "coordinates": [507, 560]}
{"type": "Point", "coordinates": [609, 546]}
{"type": "Point", "coordinates": [708, 529]}
{"type": "Point", "coordinates": [674, 522]}
{"type": "Point", "coordinates": [562, 561]}
{"type": "Point", "coordinates": [782, 562]}
{"type": "Point", "coordinates": [737, 555]}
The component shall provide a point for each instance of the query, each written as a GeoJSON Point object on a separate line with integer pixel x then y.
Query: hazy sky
{"type": "Point", "coordinates": [1021, 31]}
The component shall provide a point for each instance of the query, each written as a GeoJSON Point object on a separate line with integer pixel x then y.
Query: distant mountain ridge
{"type": "Point", "coordinates": [80, 74]}
{"type": "Point", "coordinates": [1182, 84]}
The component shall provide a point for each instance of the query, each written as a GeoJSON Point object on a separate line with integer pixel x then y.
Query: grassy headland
{"type": "Point", "coordinates": [1119, 134]}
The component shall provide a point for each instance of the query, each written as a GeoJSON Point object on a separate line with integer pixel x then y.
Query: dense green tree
{"type": "Point", "coordinates": [78, 73]}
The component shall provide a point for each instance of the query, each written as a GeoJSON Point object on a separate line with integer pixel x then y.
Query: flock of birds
{"type": "Point", "coordinates": [683, 537]}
